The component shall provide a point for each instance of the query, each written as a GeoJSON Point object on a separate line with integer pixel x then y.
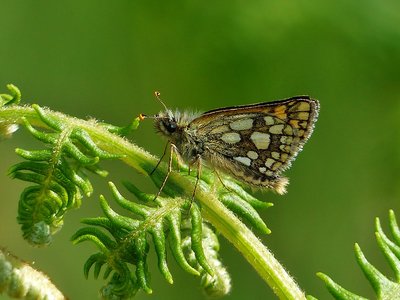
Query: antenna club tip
{"type": "Point", "coordinates": [142, 117]}
{"type": "Point", "coordinates": [157, 94]}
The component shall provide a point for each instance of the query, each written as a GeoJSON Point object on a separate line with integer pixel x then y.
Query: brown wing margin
{"type": "Point", "coordinates": [255, 105]}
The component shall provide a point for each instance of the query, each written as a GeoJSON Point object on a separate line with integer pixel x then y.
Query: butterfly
{"type": "Point", "coordinates": [252, 143]}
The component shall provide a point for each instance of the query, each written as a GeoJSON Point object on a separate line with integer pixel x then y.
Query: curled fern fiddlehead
{"type": "Point", "coordinates": [128, 241]}
{"type": "Point", "coordinates": [58, 173]}
{"type": "Point", "coordinates": [384, 287]}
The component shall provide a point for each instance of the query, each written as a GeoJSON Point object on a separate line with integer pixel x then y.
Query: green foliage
{"type": "Point", "coordinates": [59, 174]}
{"type": "Point", "coordinates": [105, 58]}
{"type": "Point", "coordinates": [8, 128]}
{"type": "Point", "coordinates": [216, 285]}
{"type": "Point", "coordinates": [384, 287]}
{"type": "Point", "coordinates": [13, 98]}
{"type": "Point", "coordinates": [150, 222]}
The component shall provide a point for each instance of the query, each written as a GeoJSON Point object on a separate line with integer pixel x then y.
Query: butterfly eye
{"type": "Point", "coordinates": [170, 125]}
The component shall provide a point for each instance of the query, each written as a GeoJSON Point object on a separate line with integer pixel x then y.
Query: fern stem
{"type": "Point", "coordinates": [135, 156]}
{"type": "Point", "coordinates": [19, 280]}
{"type": "Point", "coordinates": [256, 253]}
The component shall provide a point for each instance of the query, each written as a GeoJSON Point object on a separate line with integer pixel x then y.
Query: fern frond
{"type": "Point", "coordinates": [58, 173]}
{"type": "Point", "coordinates": [126, 242]}
{"type": "Point", "coordinates": [384, 287]}
{"type": "Point", "coordinates": [8, 128]}
{"type": "Point", "coordinates": [13, 98]}
{"type": "Point", "coordinates": [218, 284]}
{"type": "Point", "coordinates": [76, 146]}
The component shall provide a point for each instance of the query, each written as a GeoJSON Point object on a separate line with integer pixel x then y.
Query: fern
{"type": "Point", "coordinates": [129, 238]}
{"type": "Point", "coordinates": [384, 287]}
{"type": "Point", "coordinates": [216, 285]}
{"type": "Point", "coordinates": [60, 179]}
{"type": "Point", "coordinates": [174, 225]}
{"type": "Point", "coordinates": [58, 173]}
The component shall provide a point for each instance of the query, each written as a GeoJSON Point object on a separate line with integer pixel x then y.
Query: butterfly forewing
{"type": "Point", "coordinates": [256, 142]}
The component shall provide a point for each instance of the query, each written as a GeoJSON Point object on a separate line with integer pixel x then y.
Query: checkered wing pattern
{"type": "Point", "coordinates": [255, 143]}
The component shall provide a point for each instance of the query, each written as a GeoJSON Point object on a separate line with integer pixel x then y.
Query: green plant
{"type": "Point", "coordinates": [384, 287]}
{"type": "Point", "coordinates": [60, 179]}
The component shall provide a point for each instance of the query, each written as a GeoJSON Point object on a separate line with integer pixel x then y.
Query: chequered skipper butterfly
{"type": "Point", "coordinates": [252, 143]}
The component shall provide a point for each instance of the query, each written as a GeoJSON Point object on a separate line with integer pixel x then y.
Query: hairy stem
{"type": "Point", "coordinates": [255, 252]}
{"type": "Point", "coordinates": [19, 280]}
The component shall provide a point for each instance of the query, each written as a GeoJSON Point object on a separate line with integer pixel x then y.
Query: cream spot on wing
{"type": "Point", "coordinates": [303, 124]}
{"type": "Point", "coordinates": [296, 140]}
{"type": "Point", "coordinates": [275, 155]}
{"type": "Point", "coordinates": [285, 148]}
{"type": "Point", "coordinates": [252, 154]}
{"type": "Point", "coordinates": [284, 157]}
{"type": "Point", "coordinates": [269, 173]}
{"type": "Point", "coordinates": [269, 162]}
{"type": "Point", "coordinates": [300, 106]}
{"type": "Point", "coordinates": [262, 169]}
{"type": "Point", "coordinates": [295, 144]}
{"type": "Point", "coordinates": [303, 115]}
{"type": "Point", "coordinates": [286, 139]}
{"type": "Point", "coordinates": [244, 160]}
{"type": "Point", "coordinates": [241, 124]}
{"type": "Point", "coordinates": [219, 129]}
{"type": "Point", "coordinates": [231, 137]}
{"type": "Point", "coordinates": [303, 106]}
{"type": "Point", "coordinates": [260, 140]}
{"type": "Point", "coordinates": [276, 165]}
{"type": "Point", "coordinates": [288, 130]}
{"type": "Point", "coordinates": [269, 120]}
{"type": "Point", "coordinates": [276, 129]}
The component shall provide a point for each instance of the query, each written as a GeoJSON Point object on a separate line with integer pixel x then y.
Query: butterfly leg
{"type": "Point", "coordinates": [172, 151]}
{"type": "Point", "coordinates": [161, 158]}
{"type": "Point", "coordinates": [223, 184]}
{"type": "Point", "coordinates": [178, 161]}
{"type": "Point", "coordinates": [198, 162]}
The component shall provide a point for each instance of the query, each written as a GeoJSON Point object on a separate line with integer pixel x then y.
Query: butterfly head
{"type": "Point", "coordinates": [170, 124]}
{"type": "Point", "coordinates": [165, 122]}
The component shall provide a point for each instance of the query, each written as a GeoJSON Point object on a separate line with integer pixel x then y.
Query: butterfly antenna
{"type": "Point", "coordinates": [157, 94]}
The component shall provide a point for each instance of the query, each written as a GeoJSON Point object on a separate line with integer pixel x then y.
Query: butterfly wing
{"type": "Point", "coordinates": [255, 143]}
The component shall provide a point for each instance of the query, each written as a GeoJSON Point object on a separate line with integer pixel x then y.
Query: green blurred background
{"type": "Point", "coordinates": [104, 59]}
